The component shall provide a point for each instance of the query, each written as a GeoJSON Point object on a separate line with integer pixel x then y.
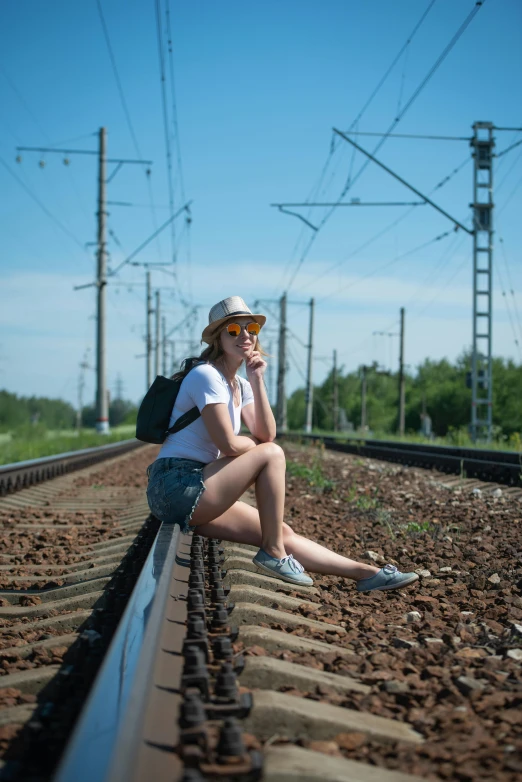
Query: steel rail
{"type": "Point", "coordinates": [498, 466]}
{"type": "Point", "coordinates": [106, 738]}
{"type": "Point", "coordinates": [20, 475]}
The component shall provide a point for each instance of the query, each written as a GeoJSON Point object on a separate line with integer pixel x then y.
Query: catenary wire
{"type": "Point", "coordinates": [173, 100]}
{"type": "Point", "coordinates": [510, 283]}
{"type": "Point", "coordinates": [334, 144]}
{"type": "Point", "coordinates": [387, 264]}
{"type": "Point", "coordinates": [510, 196]}
{"type": "Point", "coordinates": [46, 136]}
{"type": "Point", "coordinates": [508, 309]}
{"type": "Point", "coordinates": [175, 127]}
{"type": "Point", "coordinates": [44, 209]}
{"type": "Point", "coordinates": [168, 151]}
{"type": "Point", "coordinates": [444, 181]}
{"type": "Point", "coordinates": [128, 117]}
{"type": "Point", "coordinates": [441, 290]}
{"type": "Point", "coordinates": [395, 122]}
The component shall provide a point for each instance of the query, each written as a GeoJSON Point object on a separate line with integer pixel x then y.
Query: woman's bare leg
{"type": "Point", "coordinates": [241, 524]}
{"type": "Point", "coordinates": [228, 478]}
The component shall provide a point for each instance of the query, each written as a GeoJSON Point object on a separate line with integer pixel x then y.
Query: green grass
{"type": "Point", "coordinates": [415, 526]}
{"type": "Point", "coordinates": [458, 439]}
{"type": "Point", "coordinates": [22, 446]}
{"type": "Point", "coordinates": [312, 475]}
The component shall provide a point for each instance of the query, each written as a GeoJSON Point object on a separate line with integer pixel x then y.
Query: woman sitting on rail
{"type": "Point", "coordinates": [202, 471]}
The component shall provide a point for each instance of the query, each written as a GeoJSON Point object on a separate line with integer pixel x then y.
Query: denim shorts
{"type": "Point", "coordinates": [174, 488]}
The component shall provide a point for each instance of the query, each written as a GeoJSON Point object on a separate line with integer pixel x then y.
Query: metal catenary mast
{"type": "Point", "coordinates": [482, 145]}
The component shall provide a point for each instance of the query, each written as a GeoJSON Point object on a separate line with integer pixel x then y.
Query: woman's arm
{"type": "Point", "coordinates": [219, 426]}
{"type": "Point", "coordinates": [258, 417]}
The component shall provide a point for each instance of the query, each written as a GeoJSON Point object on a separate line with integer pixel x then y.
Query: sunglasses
{"type": "Point", "coordinates": [234, 329]}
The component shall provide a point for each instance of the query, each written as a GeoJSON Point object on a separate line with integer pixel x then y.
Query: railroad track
{"type": "Point", "coordinates": [215, 672]}
{"type": "Point", "coordinates": [20, 475]}
{"type": "Point", "coordinates": [501, 467]}
{"type": "Point", "coordinates": [70, 552]}
{"type": "Point", "coordinates": [189, 709]}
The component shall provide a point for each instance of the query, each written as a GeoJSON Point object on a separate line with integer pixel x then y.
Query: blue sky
{"type": "Point", "coordinates": [259, 87]}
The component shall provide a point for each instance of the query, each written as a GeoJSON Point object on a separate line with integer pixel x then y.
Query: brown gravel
{"type": "Point", "coordinates": [452, 667]}
{"type": "Point", "coordinates": [50, 536]}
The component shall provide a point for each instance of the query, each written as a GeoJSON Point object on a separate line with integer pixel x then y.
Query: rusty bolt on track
{"type": "Point", "coordinates": [211, 744]}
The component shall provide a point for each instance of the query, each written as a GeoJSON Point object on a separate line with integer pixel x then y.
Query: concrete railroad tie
{"type": "Point", "coordinates": [275, 713]}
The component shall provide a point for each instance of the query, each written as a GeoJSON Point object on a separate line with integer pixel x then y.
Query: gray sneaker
{"type": "Point", "coordinates": [287, 569]}
{"type": "Point", "coordinates": [388, 577]}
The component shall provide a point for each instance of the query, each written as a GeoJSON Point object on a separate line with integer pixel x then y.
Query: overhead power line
{"type": "Point", "coordinates": [438, 62]}
{"type": "Point", "coordinates": [44, 209]}
{"type": "Point", "coordinates": [173, 99]}
{"type": "Point", "coordinates": [118, 80]}
{"type": "Point", "coordinates": [441, 290]}
{"type": "Point", "coordinates": [387, 264]}
{"type": "Point", "coordinates": [408, 135]}
{"type": "Point", "coordinates": [376, 90]}
{"type": "Point", "coordinates": [510, 283]}
{"type": "Point", "coordinates": [382, 231]}
{"type": "Point", "coordinates": [508, 309]}
{"type": "Point", "coordinates": [127, 115]}
{"type": "Point", "coordinates": [147, 241]}
{"type": "Point", "coordinates": [168, 151]}
{"type": "Point", "coordinates": [403, 182]}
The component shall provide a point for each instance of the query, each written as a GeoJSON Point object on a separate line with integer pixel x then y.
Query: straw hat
{"type": "Point", "coordinates": [223, 311]}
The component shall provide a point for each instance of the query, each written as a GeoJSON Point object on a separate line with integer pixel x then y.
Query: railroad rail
{"type": "Point", "coordinates": [20, 475]}
{"type": "Point", "coordinates": [182, 710]}
{"type": "Point", "coordinates": [208, 670]}
{"type": "Point", "coordinates": [503, 467]}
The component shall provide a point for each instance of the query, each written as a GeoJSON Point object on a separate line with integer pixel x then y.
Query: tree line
{"type": "Point", "coordinates": [19, 412]}
{"type": "Point", "coordinates": [437, 387]}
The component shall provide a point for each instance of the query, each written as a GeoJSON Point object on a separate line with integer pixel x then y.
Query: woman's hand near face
{"type": "Point", "coordinates": [255, 365]}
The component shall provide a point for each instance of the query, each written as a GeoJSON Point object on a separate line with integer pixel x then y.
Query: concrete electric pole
{"type": "Point", "coordinates": [157, 342]}
{"type": "Point", "coordinates": [172, 356]}
{"type": "Point", "coordinates": [148, 337]}
{"type": "Point", "coordinates": [309, 382]}
{"type": "Point", "coordinates": [401, 378]}
{"type": "Point", "coordinates": [81, 387]}
{"type": "Point", "coordinates": [102, 404]}
{"type": "Point", "coordinates": [270, 376]}
{"type": "Point", "coordinates": [164, 345]}
{"type": "Point", "coordinates": [364, 370]}
{"type": "Point", "coordinates": [281, 369]}
{"type": "Point", "coordinates": [335, 395]}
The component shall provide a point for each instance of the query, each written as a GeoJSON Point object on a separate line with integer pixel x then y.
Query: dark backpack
{"type": "Point", "coordinates": [152, 425]}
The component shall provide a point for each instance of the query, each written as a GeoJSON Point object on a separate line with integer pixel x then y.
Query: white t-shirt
{"type": "Point", "coordinates": [202, 386]}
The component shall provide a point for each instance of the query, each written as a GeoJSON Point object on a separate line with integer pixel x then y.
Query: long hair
{"type": "Point", "coordinates": [212, 353]}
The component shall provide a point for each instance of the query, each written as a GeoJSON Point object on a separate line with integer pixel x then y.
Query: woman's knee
{"type": "Point", "coordinates": [288, 532]}
{"type": "Point", "coordinates": [272, 452]}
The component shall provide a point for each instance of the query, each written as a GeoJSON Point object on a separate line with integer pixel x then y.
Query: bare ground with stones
{"type": "Point", "coordinates": [445, 654]}
{"type": "Point", "coordinates": [43, 541]}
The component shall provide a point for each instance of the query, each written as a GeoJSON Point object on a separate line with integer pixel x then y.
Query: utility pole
{"type": "Point", "coordinates": [281, 369]}
{"type": "Point", "coordinates": [164, 345]}
{"type": "Point", "coordinates": [335, 405]}
{"type": "Point", "coordinates": [482, 145]}
{"type": "Point", "coordinates": [363, 398]}
{"type": "Point", "coordinates": [401, 378]}
{"type": "Point", "coordinates": [81, 387]}
{"type": "Point", "coordinates": [102, 395]}
{"type": "Point", "coordinates": [149, 332]}
{"type": "Point", "coordinates": [172, 356]}
{"type": "Point", "coordinates": [157, 342]}
{"type": "Point", "coordinates": [119, 387]}
{"type": "Point", "coordinates": [309, 382]}
{"type": "Point", "coordinates": [102, 407]}
{"type": "Point", "coordinates": [270, 376]}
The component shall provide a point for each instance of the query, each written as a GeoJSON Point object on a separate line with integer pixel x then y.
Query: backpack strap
{"type": "Point", "coordinates": [184, 420]}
